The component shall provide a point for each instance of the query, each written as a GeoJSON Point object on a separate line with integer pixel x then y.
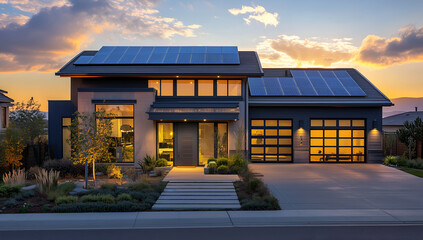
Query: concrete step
{"type": "Point", "coordinates": [198, 183]}
{"type": "Point", "coordinates": [203, 201]}
{"type": "Point", "coordinates": [198, 190]}
{"type": "Point", "coordinates": [178, 197]}
{"type": "Point", "coordinates": [196, 207]}
{"type": "Point", "coordinates": [200, 187]}
{"type": "Point", "coordinates": [198, 194]}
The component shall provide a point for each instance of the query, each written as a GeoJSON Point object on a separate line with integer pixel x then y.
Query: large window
{"type": "Point", "coordinates": [271, 140]}
{"type": "Point", "coordinates": [234, 88]}
{"type": "Point", "coordinates": [205, 87]}
{"type": "Point", "coordinates": [163, 87]}
{"type": "Point", "coordinates": [212, 141]}
{"type": "Point", "coordinates": [66, 135]}
{"type": "Point", "coordinates": [165, 141]}
{"type": "Point", "coordinates": [337, 140]}
{"type": "Point", "coordinates": [122, 117]}
{"type": "Point", "coordinates": [185, 87]}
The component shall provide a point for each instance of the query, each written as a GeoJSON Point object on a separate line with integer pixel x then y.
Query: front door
{"type": "Point", "coordinates": [186, 144]}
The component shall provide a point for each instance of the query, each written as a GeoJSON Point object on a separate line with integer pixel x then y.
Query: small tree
{"type": "Point", "coordinates": [29, 120]}
{"type": "Point", "coordinates": [90, 139]}
{"type": "Point", "coordinates": [411, 133]}
{"type": "Point", "coordinates": [13, 150]}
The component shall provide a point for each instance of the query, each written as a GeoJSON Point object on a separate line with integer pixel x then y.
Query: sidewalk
{"type": "Point", "coordinates": [208, 219]}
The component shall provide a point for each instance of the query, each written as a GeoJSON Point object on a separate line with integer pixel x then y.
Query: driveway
{"type": "Point", "coordinates": [342, 186]}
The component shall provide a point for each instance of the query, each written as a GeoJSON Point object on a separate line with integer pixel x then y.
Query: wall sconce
{"type": "Point", "coordinates": [301, 124]}
{"type": "Point", "coordinates": [374, 123]}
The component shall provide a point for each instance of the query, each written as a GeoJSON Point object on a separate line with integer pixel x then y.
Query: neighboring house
{"type": "Point", "coordinates": [188, 104]}
{"type": "Point", "coordinates": [5, 103]}
{"type": "Point", "coordinates": [392, 145]}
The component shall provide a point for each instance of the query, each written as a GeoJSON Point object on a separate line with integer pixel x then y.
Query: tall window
{"type": "Point", "coordinates": [222, 87]}
{"type": "Point", "coordinates": [122, 148]}
{"type": "Point", "coordinates": [66, 134]}
{"type": "Point", "coordinates": [234, 88]}
{"type": "Point", "coordinates": [185, 87]}
{"type": "Point", "coordinates": [165, 141]}
{"type": "Point", "coordinates": [271, 140]}
{"type": "Point", "coordinates": [212, 141]}
{"type": "Point", "coordinates": [337, 140]}
{"type": "Point", "coordinates": [163, 87]}
{"type": "Point", "coordinates": [205, 87]}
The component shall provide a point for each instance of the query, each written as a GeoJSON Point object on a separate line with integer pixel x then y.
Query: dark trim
{"type": "Point", "coordinates": [116, 89]}
{"type": "Point", "coordinates": [100, 101]}
{"type": "Point", "coordinates": [193, 116]}
{"type": "Point", "coordinates": [195, 104]}
{"type": "Point", "coordinates": [199, 98]}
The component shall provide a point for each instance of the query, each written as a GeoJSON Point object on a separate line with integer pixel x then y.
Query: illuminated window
{"type": "Point", "coordinates": [222, 87]}
{"type": "Point", "coordinates": [66, 135]}
{"type": "Point", "coordinates": [165, 141]}
{"type": "Point", "coordinates": [340, 140]}
{"type": "Point", "coordinates": [271, 140]}
{"type": "Point", "coordinates": [205, 87]}
{"type": "Point", "coordinates": [155, 84]}
{"type": "Point", "coordinates": [163, 87]}
{"type": "Point", "coordinates": [234, 88]}
{"type": "Point", "coordinates": [185, 87]}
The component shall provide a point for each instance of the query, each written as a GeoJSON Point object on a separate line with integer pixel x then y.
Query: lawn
{"type": "Point", "coordinates": [415, 172]}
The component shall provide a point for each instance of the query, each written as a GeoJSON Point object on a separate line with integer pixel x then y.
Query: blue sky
{"type": "Point", "coordinates": [382, 39]}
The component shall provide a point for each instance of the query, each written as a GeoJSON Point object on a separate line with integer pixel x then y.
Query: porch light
{"type": "Point", "coordinates": [177, 76]}
{"type": "Point", "coordinates": [204, 120]}
{"type": "Point", "coordinates": [185, 120]}
{"type": "Point", "coordinates": [218, 76]}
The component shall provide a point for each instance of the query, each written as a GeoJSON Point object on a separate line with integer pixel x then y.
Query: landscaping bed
{"type": "Point", "coordinates": [413, 166]}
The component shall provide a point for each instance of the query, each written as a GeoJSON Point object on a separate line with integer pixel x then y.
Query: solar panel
{"type": "Point", "coordinates": [164, 55]}
{"type": "Point", "coordinates": [256, 87]}
{"type": "Point", "coordinates": [349, 83]}
{"type": "Point", "coordinates": [304, 85]}
{"type": "Point", "coordinates": [83, 59]}
{"type": "Point", "coordinates": [272, 86]}
{"type": "Point", "coordinates": [318, 83]}
{"type": "Point", "coordinates": [323, 83]}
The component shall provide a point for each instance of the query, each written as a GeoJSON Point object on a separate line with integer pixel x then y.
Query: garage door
{"type": "Point", "coordinates": [271, 140]}
{"type": "Point", "coordinates": [337, 140]}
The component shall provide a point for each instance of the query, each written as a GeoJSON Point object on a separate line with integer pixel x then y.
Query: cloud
{"type": "Point", "coordinates": [381, 52]}
{"type": "Point", "coordinates": [6, 19]}
{"type": "Point", "coordinates": [47, 40]}
{"type": "Point", "coordinates": [257, 13]}
{"type": "Point", "coordinates": [310, 52]}
{"type": "Point", "coordinates": [34, 6]}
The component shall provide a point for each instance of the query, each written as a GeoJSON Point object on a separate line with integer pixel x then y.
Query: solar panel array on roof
{"type": "Point", "coordinates": [162, 55]}
{"type": "Point", "coordinates": [307, 83]}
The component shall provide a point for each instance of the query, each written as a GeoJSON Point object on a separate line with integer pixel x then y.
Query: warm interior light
{"type": "Point", "coordinates": [190, 82]}
{"type": "Point", "coordinates": [171, 133]}
{"type": "Point", "coordinates": [185, 120]}
{"type": "Point", "coordinates": [204, 120]}
{"type": "Point", "coordinates": [177, 76]}
{"type": "Point", "coordinates": [218, 76]}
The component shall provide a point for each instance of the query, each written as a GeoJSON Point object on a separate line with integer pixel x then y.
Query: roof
{"type": "Point", "coordinates": [4, 98]}
{"type": "Point", "coordinates": [399, 119]}
{"type": "Point", "coordinates": [249, 66]}
{"type": "Point", "coordinates": [372, 96]}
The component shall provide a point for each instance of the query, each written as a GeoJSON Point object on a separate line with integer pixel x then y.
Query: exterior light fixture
{"type": "Point", "coordinates": [177, 76]}
{"type": "Point", "coordinates": [204, 119]}
{"type": "Point", "coordinates": [218, 76]}
{"type": "Point", "coordinates": [235, 119]}
{"type": "Point", "coordinates": [185, 120]}
{"type": "Point", "coordinates": [374, 123]}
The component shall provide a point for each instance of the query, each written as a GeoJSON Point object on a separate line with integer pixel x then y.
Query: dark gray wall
{"type": "Point", "coordinates": [56, 111]}
{"type": "Point", "coordinates": [301, 148]}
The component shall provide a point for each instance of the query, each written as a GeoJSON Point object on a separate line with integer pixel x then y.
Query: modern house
{"type": "Point", "coordinates": [5, 103]}
{"type": "Point", "coordinates": [187, 104]}
{"type": "Point", "coordinates": [391, 124]}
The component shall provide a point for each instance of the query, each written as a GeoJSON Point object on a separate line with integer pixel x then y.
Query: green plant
{"type": "Point", "coordinates": [212, 165]}
{"type": "Point", "coordinates": [139, 186]}
{"type": "Point", "coordinates": [110, 186]}
{"type": "Point", "coordinates": [123, 197]}
{"type": "Point", "coordinates": [211, 160]}
{"type": "Point", "coordinates": [391, 160]}
{"type": "Point", "coordinates": [161, 163]}
{"type": "Point", "coordinates": [254, 184]}
{"type": "Point", "coordinates": [15, 178]}
{"type": "Point", "coordinates": [61, 190]}
{"type": "Point", "coordinates": [222, 161]}
{"type": "Point", "coordinates": [47, 180]}
{"type": "Point", "coordinates": [114, 171]}
{"type": "Point", "coordinates": [45, 208]}
{"type": "Point", "coordinates": [98, 198]}
{"type": "Point", "coordinates": [24, 208]}
{"type": "Point", "coordinates": [10, 203]}
{"type": "Point", "coordinates": [272, 202]}
{"type": "Point", "coordinates": [7, 191]}
{"type": "Point", "coordinates": [65, 167]}
{"type": "Point", "coordinates": [123, 206]}
{"type": "Point", "coordinates": [147, 164]}
{"type": "Point", "coordinates": [66, 199]}
{"type": "Point", "coordinates": [222, 169]}
{"type": "Point", "coordinates": [32, 171]}
{"type": "Point", "coordinates": [131, 173]}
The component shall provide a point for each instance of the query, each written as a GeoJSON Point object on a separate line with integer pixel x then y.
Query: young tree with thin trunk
{"type": "Point", "coordinates": [90, 139]}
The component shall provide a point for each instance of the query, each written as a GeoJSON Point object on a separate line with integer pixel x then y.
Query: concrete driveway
{"type": "Point", "coordinates": [342, 186]}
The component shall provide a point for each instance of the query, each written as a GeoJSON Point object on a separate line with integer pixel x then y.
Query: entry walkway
{"type": "Point", "coordinates": [189, 188]}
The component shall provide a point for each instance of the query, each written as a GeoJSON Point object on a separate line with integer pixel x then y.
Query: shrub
{"type": "Point", "coordinates": [65, 167]}
{"type": "Point", "coordinates": [402, 161]}
{"type": "Point", "coordinates": [212, 165]}
{"type": "Point", "coordinates": [28, 194]}
{"type": "Point", "coordinates": [66, 199]}
{"type": "Point", "coordinates": [123, 206]}
{"type": "Point", "coordinates": [15, 178]}
{"type": "Point", "coordinates": [131, 173]}
{"type": "Point", "coordinates": [24, 208]}
{"type": "Point", "coordinates": [98, 198]}
{"type": "Point", "coordinates": [236, 160]}
{"type": "Point", "coordinates": [7, 191]}
{"type": "Point", "coordinates": [222, 169]}
{"type": "Point", "coordinates": [45, 208]}
{"type": "Point", "coordinates": [211, 160]}
{"type": "Point", "coordinates": [47, 180]}
{"type": "Point", "coordinates": [139, 186]}
{"type": "Point", "coordinates": [124, 197]}
{"type": "Point", "coordinates": [102, 168]}
{"type": "Point", "coordinates": [161, 163]}
{"type": "Point", "coordinates": [109, 186]}
{"type": "Point", "coordinates": [391, 160]}
{"type": "Point", "coordinates": [254, 205]}
{"type": "Point", "coordinates": [147, 164]}
{"type": "Point", "coordinates": [10, 203]}
{"type": "Point", "coordinates": [114, 171]}
{"type": "Point", "coordinates": [254, 184]}
{"type": "Point", "coordinates": [222, 161]}
{"type": "Point", "coordinates": [61, 190]}
{"type": "Point", "coordinates": [272, 202]}
{"type": "Point", "coordinates": [32, 171]}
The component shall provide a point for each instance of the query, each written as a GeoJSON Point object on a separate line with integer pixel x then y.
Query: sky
{"type": "Point", "coordinates": [383, 39]}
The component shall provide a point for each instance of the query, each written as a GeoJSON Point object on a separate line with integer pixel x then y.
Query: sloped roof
{"type": "Point", "coordinates": [4, 98]}
{"type": "Point", "coordinates": [399, 119]}
{"type": "Point", "coordinates": [373, 96]}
